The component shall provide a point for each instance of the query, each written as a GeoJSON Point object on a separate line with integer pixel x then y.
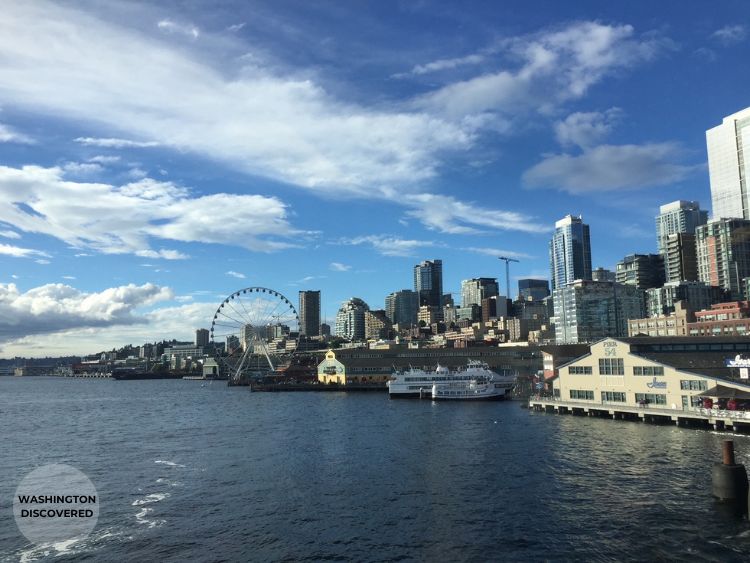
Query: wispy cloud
{"type": "Point", "coordinates": [112, 143]}
{"type": "Point", "coordinates": [170, 26]}
{"type": "Point", "coordinates": [10, 234]}
{"type": "Point", "coordinates": [497, 252]}
{"type": "Point", "coordinates": [339, 267]}
{"type": "Point", "coordinates": [10, 135]}
{"type": "Point", "coordinates": [236, 274]}
{"type": "Point", "coordinates": [236, 27]}
{"type": "Point", "coordinates": [611, 167]}
{"type": "Point", "coordinates": [730, 34]}
{"type": "Point", "coordinates": [18, 252]}
{"type": "Point", "coordinates": [586, 129]}
{"type": "Point", "coordinates": [389, 245]}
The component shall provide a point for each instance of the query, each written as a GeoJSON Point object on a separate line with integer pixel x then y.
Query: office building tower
{"type": "Point", "coordinates": [476, 289]}
{"type": "Point", "coordinates": [696, 295]}
{"type": "Point", "coordinates": [401, 307]}
{"type": "Point", "coordinates": [309, 313]}
{"type": "Point", "coordinates": [534, 290]}
{"type": "Point", "coordinates": [201, 337]}
{"type": "Point", "coordinates": [641, 270]}
{"type": "Point", "coordinates": [723, 250]}
{"type": "Point", "coordinates": [587, 311]}
{"type": "Point", "coordinates": [350, 319]}
{"type": "Point", "coordinates": [680, 259]}
{"type": "Point", "coordinates": [569, 252]}
{"type": "Point", "coordinates": [728, 167]}
{"type": "Point", "coordinates": [678, 217]}
{"type": "Point", "coordinates": [428, 282]}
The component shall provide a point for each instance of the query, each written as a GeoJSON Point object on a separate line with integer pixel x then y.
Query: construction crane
{"type": "Point", "coordinates": [507, 273]}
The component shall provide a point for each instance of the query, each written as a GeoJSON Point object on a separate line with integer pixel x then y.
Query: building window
{"type": "Point", "coordinates": [651, 398]}
{"type": "Point", "coordinates": [693, 384]}
{"type": "Point", "coordinates": [613, 396]}
{"type": "Point", "coordinates": [611, 366]}
{"type": "Point", "coordinates": [583, 395]}
{"type": "Point", "coordinates": [580, 370]}
{"type": "Point", "coordinates": [648, 370]}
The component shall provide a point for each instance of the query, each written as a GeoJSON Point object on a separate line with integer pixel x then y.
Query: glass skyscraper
{"type": "Point", "coordinates": [728, 147]}
{"type": "Point", "coordinates": [309, 313]}
{"type": "Point", "coordinates": [569, 252]}
{"type": "Point", "coordinates": [678, 217]}
{"type": "Point", "coordinates": [428, 282]}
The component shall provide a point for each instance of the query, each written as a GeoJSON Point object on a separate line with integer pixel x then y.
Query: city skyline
{"type": "Point", "coordinates": [332, 148]}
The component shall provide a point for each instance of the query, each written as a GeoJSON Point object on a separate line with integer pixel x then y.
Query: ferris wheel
{"type": "Point", "coordinates": [258, 328]}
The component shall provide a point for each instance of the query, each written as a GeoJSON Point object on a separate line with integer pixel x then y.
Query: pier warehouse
{"type": "Point", "coordinates": [678, 376]}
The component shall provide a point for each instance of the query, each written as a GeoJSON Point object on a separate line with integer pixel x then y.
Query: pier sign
{"type": "Point", "coordinates": [737, 362]}
{"type": "Point", "coordinates": [656, 384]}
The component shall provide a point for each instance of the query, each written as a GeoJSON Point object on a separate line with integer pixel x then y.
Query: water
{"type": "Point", "coordinates": [221, 474]}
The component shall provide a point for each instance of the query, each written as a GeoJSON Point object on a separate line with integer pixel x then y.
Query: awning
{"type": "Point", "coordinates": [723, 392]}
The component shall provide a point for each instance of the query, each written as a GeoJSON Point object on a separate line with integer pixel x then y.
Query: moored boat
{"type": "Point", "coordinates": [471, 382]}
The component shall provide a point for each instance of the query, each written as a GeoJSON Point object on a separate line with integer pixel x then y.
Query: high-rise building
{"type": "Point", "coordinates": [587, 311]}
{"type": "Point", "coordinates": [696, 295]}
{"type": "Point", "coordinates": [309, 313]}
{"type": "Point", "coordinates": [569, 252]}
{"type": "Point", "coordinates": [401, 307]}
{"type": "Point", "coordinates": [476, 289]}
{"type": "Point", "coordinates": [428, 282]}
{"type": "Point", "coordinates": [678, 217]}
{"type": "Point", "coordinates": [377, 325]}
{"type": "Point", "coordinates": [680, 259]}
{"type": "Point", "coordinates": [723, 249]}
{"type": "Point", "coordinates": [201, 337]}
{"type": "Point", "coordinates": [531, 289]}
{"type": "Point", "coordinates": [350, 319]}
{"type": "Point", "coordinates": [728, 167]}
{"type": "Point", "coordinates": [641, 270]}
{"type": "Point", "coordinates": [602, 274]}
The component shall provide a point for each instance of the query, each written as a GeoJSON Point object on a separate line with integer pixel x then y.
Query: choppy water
{"type": "Point", "coordinates": [218, 474]}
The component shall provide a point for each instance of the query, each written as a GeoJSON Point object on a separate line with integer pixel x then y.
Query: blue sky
{"type": "Point", "coordinates": [156, 157]}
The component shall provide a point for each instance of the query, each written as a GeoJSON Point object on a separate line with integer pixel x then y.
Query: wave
{"type": "Point", "coordinates": [169, 463]}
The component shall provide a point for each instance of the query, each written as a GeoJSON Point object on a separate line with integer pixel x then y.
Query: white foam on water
{"type": "Point", "coordinates": [169, 463]}
{"type": "Point", "coordinates": [148, 499]}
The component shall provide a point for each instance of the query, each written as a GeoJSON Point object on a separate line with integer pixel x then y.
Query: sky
{"type": "Point", "coordinates": [156, 157]}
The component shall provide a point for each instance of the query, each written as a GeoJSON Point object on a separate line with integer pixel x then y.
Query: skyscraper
{"type": "Point", "coordinates": [723, 249]}
{"type": "Point", "coordinates": [680, 260]}
{"type": "Point", "coordinates": [728, 167]}
{"type": "Point", "coordinates": [350, 320]}
{"type": "Point", "coordinates": [428, 282]}
{"type": "Point", "coordinates": [401, 307]}
{"type": "Point", "coordinates": [644, 271]}
{"type": "Point", "coordinates": [476, 289]}
{"type": "Point", "coordinates": [678, 217]}
{"type": "Point", "coordinates": [201, 337]}
{"type": "Point", "coordinates": [569, 252]}
{"type": "Point", "coordinates": [309, 313]}
{"type": "Point", "coordinates": [533, 289]}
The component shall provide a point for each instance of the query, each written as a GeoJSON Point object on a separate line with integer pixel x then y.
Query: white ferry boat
{"type": "Point", "coordinates": [475, 381]}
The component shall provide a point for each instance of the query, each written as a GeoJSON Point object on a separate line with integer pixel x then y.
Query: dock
{"type": "Point", "coordinates": [718, 419]}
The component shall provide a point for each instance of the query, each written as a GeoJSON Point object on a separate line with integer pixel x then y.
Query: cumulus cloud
{"type": "Point", "coordinates": [585, 129]}
{"type": "Point", "coordinates": [10, 135]}
{"type": "Point", "coordinates": [339, 267]}
{"type": "Point", "coordinates": [55, 307]}
{"type": "Point", "coordinates": [389, 245]}
{"type": "Point", "coordinates": [730, 34]}
{"type": "Point", "coordinates": [610, 167]}
{"type": "Point", "coordinates": [128, 218]}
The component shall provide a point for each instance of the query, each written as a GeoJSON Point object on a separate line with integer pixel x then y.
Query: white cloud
{"type": "Point", "coordinates": [102, 159]}
{"type": "Point", "coordinates": [42, 261]}
{"type": "Point", "coordinates": [183, 298]}
{"type": "Point", "coordinates": [552, 67]}
{"type": "Point", "coordinates": [339, 267]}
{"type": "Point", "coordinates": [10, 135]}
{"type": "Point", "coordinates": [236, 274]}
{"type": "Point", "coordinates": [389, 245]}
{"type": "Point", "coordinates": [586, 129]}
{"type": "Point", "coordinates": [126, 219]}
{"type": "Point", "coordinates": [496, 252]}
{"type": "Point", "coordinates": [610, 167]}
{"type": "Point", "coordinates": [18, 252]}
{"type": "Point", "coordinates": [56, 307]}
{"type": "Point", "coordinates": [81, 169]}
{"type": "Point", "coordinates": [114, 143]}
{"type": "Point", "coordinates": [185, 29]}
{"type": "Point", "coordinates": [236, 27]}
{"type": "Point", "coordinates": [447, 64]}
{"type": "Point", "coordinates": [730, 34]}
{"type": "Point", "coordinates": [69, 277]}
{"type": "Point", "coordinates": [10, 234]}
